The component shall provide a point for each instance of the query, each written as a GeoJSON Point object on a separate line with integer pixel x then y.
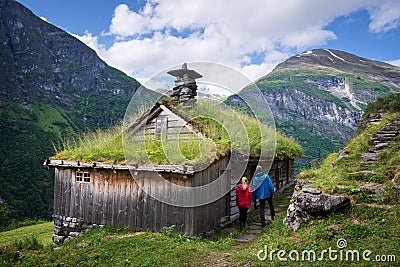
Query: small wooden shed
{"type": "Point", "coordinates": [94, 194]}
{"type": "Point", "coordinates": [126, 194]}
{"type": "Point", "coordinates": [98, 193]}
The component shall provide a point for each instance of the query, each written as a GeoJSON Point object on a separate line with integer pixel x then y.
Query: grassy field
{"type": "Point", "coordinates": [42, 231]}
{"type": "Point", "coordinates": [364, 227]}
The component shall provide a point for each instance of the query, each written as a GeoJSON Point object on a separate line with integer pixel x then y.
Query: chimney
{"type": "Point", "coordinates": [185, 89]}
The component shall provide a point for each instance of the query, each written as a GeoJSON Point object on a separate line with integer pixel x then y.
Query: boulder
{"type": "Point", "coordinates": [321, 204]}
{"type": "Point", "coordinates": [343, 154]}
{"type": "Point", "coordinates": [307, 201]}
{"type": "Point", "coordinates": [58, 239]}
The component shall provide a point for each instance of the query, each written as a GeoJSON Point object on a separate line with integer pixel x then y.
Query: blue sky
{"type": "Point", "coordinates": [143, 38]}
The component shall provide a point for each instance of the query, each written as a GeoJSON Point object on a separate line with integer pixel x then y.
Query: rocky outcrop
{"type": "Point", "coordinates": [330, 59]}
{"type": "Point", "coordinates": [307, 202]}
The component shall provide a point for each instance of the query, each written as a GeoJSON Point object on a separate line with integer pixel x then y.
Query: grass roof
{"type": "Point", "coordinates": [224, 130]}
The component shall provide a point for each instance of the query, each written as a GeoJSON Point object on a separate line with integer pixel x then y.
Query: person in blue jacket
{"type": "Point", "coordinates": [263, 190]}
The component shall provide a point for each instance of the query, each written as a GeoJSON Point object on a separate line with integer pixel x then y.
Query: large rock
{"type": "Point", "coordinates": [307, 201]}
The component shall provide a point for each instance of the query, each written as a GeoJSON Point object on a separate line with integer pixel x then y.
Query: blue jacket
{"type": "Point", "coordinates": [262, 186]}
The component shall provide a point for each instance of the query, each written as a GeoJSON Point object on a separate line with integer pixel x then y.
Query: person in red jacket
{"type": "Point", "coordinates": [243, 198]}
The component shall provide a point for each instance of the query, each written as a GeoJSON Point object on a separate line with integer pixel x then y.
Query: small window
{"type": "Point", "coordinates": [83, 177]}
{"type": "Point", "coordinates": [86, 177]}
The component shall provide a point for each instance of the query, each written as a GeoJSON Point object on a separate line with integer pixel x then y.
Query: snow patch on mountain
{"type": "Point", "coordinates": [333, 54]}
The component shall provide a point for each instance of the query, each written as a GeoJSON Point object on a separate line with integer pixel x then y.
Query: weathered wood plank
{"type": "Point", "coordinates": [105, 197]}
{"type": "Point", "coordinates": [93, 200]}
{"type": "Point", "coordinates": [57, 204]}
{"type": "Point", "coordinates": [133, 204]}
{"type": "Point", "coordinates": [101, 198]}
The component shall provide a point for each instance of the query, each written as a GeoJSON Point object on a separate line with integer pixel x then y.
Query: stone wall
{"type": "Point", "coordinates": [67, 227]}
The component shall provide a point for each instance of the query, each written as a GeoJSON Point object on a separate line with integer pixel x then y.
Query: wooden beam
{"type": "Point", "coordinates": [184, 169]}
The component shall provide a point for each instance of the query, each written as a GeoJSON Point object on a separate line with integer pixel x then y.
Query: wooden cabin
{"type": "Point", "coordinates": [95, 194]}
{"type": "Point", "coordinates": [143, 195]}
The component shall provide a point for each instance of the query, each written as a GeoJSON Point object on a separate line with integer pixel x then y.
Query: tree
{"type": "Point", "coordinates": [5, 215]}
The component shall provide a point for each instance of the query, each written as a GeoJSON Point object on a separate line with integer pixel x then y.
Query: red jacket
{"type": "Point", "coordinates": [243, 196]}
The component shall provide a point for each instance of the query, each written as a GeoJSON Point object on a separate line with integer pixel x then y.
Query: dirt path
{"type": "Point", "coordinates": [251, 232]}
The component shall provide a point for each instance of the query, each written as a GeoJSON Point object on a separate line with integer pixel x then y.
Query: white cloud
{"type": "Point", "coordinates": [126, 22]}
{"type": "Point", "coordinates": [385, 16]}
{"type": "Point", "coordinates": [252, 35]}
{"type": "Point", "coordinates": [308, 38]}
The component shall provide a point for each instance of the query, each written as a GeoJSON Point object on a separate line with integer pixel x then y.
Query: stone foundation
{"type": "Point", "coordinates": [67, 227]}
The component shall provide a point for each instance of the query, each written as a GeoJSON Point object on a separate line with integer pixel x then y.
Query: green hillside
{"type": "Point", "coordinates": [52, 87]}
{"type": "Point", "coordinates": [41, 231]}
{"type": "Point", "coordinates": [352, 171]}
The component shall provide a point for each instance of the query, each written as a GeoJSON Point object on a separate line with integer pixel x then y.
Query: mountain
{"type": "Point", "coordinates": [319, 96]}
{"type": "Point", "coordinates": [51, 86]}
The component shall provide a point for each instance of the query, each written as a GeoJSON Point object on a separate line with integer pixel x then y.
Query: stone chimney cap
{"type": "Point", "coordinates": [179, 73]}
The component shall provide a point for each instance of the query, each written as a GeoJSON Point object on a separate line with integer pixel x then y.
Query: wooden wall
{"type": "Point", "coordinates": [166, 124]}
{"type": "Point", "coordinates": [113, 197]}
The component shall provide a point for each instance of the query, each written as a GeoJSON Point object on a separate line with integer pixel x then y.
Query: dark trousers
{"type": "Point", "coordinates": [262, 208]}
{"type": "Point", "coordinates": [242, 216]}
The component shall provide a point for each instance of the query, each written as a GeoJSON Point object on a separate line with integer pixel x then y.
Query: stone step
{"type": "Point", "coordinates": [375, 120]}
{"type": "Point", "coordinates": [255, 226]}
{"type": "Point", "coordinates": [390, 127]}
{"type": "Point", "coordinates": [386, 135]}
{"type": "Point", "coordinates": [378, 147]}
{"type": "Point", "coordinates": [383, 138]}
{"type": "Point", "coordinates": [382, 142]}
{"type": "Point", "coordinates": [387, 132]}
{"type": "Point", "coordinates": [370, 156]}
{"type": "Point", "coordinates": [255, 231]}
